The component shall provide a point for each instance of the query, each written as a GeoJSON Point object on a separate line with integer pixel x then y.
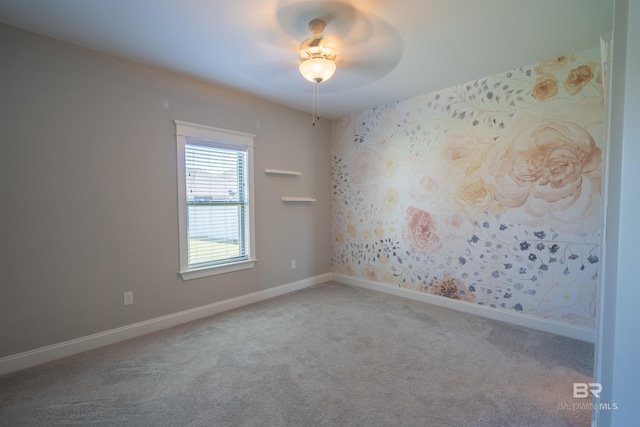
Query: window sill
{"type": "Point", "coordinates": [218, 269]}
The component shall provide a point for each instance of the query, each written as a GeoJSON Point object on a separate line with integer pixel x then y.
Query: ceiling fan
{"type": "Point", "coordinates": [321, 38]}
{"type": "Point", "coordinates": [318, 57]}
{"type": "Point", "coordinates": [362, 47]}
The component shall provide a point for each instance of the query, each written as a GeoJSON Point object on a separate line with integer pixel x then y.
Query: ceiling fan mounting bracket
{"type": "Point", "coordinates": [317, 27]}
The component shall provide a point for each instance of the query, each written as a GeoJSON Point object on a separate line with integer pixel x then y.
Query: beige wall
{"type": "Point", "coordinates": [88, 196]}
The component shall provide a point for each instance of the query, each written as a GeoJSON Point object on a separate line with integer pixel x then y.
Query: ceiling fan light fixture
{"type": "Point", "coordinates": [317, 70]}
{"type": "Point", "coordinates": [317, 55]}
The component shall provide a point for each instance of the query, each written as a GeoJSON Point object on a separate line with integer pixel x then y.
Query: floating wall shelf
{"type": "Point", "coordinates": [298, 199]}
{"type": "Point", "coordinates": [282, 172]}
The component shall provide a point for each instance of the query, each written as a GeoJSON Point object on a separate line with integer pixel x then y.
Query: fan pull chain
{"type": "Point", "coordinates": [313, 107]}
{"type": "Point", "coordinates": [318, 100]}
{"type": "Point", "coordinates": [315, 113]}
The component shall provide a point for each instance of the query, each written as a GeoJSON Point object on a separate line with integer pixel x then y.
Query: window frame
{"type": "Point", "coordinates": [217, 137]}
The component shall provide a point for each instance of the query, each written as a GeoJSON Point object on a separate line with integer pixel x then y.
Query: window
{"type": "Point", "coordinates": [215, 200]}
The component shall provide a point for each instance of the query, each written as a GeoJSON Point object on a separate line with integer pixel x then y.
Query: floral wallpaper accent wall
{"type": "Point", "coordinates": [487, 192]}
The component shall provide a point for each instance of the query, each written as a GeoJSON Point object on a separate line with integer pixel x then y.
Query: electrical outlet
{"type": "Point", "coordinates": [293, 264]}
{"type": "Point", "coordinates": [128, 298]}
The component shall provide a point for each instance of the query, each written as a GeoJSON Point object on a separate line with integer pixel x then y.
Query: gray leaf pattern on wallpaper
{"type": "Point", "coordinates": [487, 192]}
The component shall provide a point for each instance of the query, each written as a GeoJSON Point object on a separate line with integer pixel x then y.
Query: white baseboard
{"type": "Point", "coordinates": [45, 354]}
{"type": "Point", "coordinates": [525, 320]}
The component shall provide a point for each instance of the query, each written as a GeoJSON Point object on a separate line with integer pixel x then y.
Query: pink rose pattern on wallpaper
{"type": "Point", "coordinates": [420, 231]}
{"type": "Point", "coordinates": [487, 192]}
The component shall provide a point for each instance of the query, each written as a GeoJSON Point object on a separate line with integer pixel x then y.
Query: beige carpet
{"type": "Point", "coordinates": [329, 355]}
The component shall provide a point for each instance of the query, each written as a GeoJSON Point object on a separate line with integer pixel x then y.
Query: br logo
{"type": "Point", "coordinates": [582, 390]}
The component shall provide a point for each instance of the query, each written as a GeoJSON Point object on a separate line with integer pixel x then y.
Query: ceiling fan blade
{"type": "Point", "coordinates": [359, 64]}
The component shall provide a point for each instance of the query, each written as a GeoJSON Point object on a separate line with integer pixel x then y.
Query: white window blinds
{"type": "Point", "coordinates": [216, 203]}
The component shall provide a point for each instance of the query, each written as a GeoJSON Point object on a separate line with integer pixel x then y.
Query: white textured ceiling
{"type": "Point", "coordinates": [388, 49]}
